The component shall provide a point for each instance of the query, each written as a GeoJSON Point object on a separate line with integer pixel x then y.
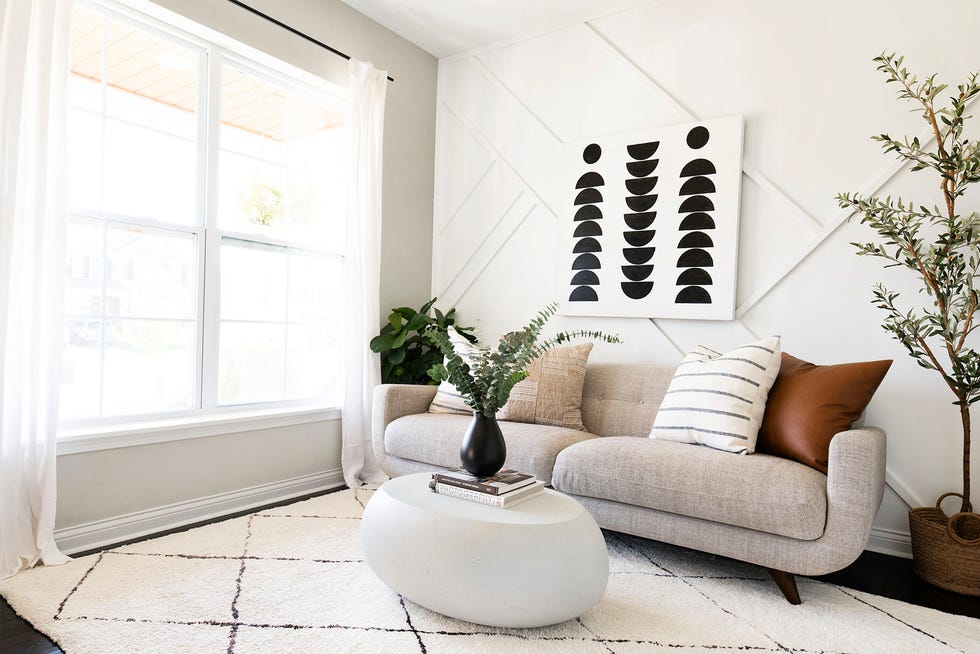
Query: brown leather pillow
{"type": "Point", "coordinates": [809, 404]}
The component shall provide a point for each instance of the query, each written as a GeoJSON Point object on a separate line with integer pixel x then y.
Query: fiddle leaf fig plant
{"type": "Point", "coordinates": [485, 376]}
{"type": "Point", "coordinates": [406, 347]}
{"type": "Point", "coordinates": [938, 243]}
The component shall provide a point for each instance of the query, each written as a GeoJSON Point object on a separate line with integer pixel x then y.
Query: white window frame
{"type": "Point", "coordinates": [207, 417]}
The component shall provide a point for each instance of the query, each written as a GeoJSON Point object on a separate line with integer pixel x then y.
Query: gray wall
{"type": "Point", "coordinates": [107, 484]}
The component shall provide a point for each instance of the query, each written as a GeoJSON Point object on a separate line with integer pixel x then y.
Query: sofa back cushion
{"type": "Point", "coordinates": [621, 399]}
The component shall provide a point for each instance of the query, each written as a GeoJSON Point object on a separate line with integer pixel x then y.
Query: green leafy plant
{"type": "Point", "coordinates": [484, 376]}
{"type": "Point", "coordinates": [263, 204]}
{"type": "Point", "coordinates": [405, 345]}
{"type": "Point", "coordinates": [938, 244]}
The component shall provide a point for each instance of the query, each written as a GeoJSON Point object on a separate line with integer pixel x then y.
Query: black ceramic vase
{"type": "Point", "coordinates": [483, 450]}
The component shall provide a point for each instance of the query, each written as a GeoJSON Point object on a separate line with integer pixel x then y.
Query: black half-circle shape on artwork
{"type": "Point", "coordinates": [588, 278]}
{"type": "Point", "coordinates": [641, 202]}
{"type": "Point", "coordinates": [691, 276]}
{"type": "Point", "coordinates": [639, 220]}
{"type": "Point", "coordinates": [588, 228]}
{"type": "Point", "coordinates": [642, 168]}
{"type": "Point", "coordinates": [638, 256]}
{"type": "Point", "coordinates": [637, 290]}
{"type": "Point", "coordinates": [588, 212]}
{"type": "Point", "coordinates": [587, 245]}
{"type": "Point", "coordinates": [696, 240]}
{"type": "Point", "coordinates": [639, 239]}
{"type": "Point", "coordinates": [586, 262]}
{"type": "Point", "coordinates": [697, 137]}
{"type": "Point", "coordinates": [643, 150]}
{"type": "Point", "coordinates": [641, 186]}
{"type": "Point", "coordinates": [693, 295]}
{"type": "Point", "coordinates": [583, 294]}
{"type": "Point", "coordinates": [697, 221]}
{"type": "Point", "coordinates": [696, 167]}
{"type": "Point", "coordinates": [588, 196]}
{"type": "Point", "coordinates": [695, 203]}
{"type": "Point", "coordinates": [695, 258]}
{"type": "Point", "coordinates": [591, 153]}
{"type": "Point", "coordinates": [697, 185]}
{"type": "Point", "coordinates": [589, 180]}
{"type": "Point", "coordinates": [637, 273]}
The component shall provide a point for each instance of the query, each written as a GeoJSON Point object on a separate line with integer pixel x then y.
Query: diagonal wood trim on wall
{"type": "Point", "coordinates": [488, 109]}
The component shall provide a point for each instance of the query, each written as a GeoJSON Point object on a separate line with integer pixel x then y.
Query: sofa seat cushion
{"type": "Point", "coordinates": [435, 439]}
{"type": "Point", "coordinates": [757, 491]}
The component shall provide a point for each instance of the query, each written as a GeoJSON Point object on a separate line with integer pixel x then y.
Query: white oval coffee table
{"type": "Point", "coordinates": [541, 562]}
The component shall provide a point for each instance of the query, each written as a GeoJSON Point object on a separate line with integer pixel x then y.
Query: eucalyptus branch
{"type": "Point", "coordinates": [485, 377]}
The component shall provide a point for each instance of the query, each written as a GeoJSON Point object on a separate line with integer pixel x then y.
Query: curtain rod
{"type": "Point", "coordinates": [294, 31]}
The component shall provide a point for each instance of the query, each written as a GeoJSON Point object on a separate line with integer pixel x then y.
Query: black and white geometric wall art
{"type": "Point", "coordinates": [649, 222]}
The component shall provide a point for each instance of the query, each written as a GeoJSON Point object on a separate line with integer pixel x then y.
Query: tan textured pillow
{"type": "Point", "coordinates": [552, 392]}
{"type": "Point", "coordinates": [809, 404]}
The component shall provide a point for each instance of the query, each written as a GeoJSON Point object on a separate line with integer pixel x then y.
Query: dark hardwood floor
{"type": "Point", "coordinates": [891, 576]}
{"type": "Point", "coordinates": [879, 574]}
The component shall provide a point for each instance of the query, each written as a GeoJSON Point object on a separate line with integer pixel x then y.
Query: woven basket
{"type": "Point", "coordinates": [946, 549]}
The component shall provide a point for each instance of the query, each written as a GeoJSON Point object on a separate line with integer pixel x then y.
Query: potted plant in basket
{"type": "Point", "coordinates": [485, 377]}
{"type": "Point", "coordinates": [942, 248]}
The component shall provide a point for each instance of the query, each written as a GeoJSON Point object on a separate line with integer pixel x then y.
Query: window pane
{"type": "Point", "coordinates": [133, 124]}
{"type": "Point", "coordinates": [253, 282]}
{"type": "Point", "coordinates": [251, 363]}
{"type": "Point", "coordinates": [149, 366]}
{"type": "Point", "coordinates": [151, 274]}
{"type": "Point", "coordinates": [315, 287]}
{"type": "Point", "coordinates": [313, 364]}
{"type": "Point", "coordinates": [80, 370]}
{"type": "Point", "coordinates": [83, 268]}
{"type": "Point", "coordinates": [149, 174]}
{"type": "Point", "coordinates": [84, 159]}
{"type": "Point", "coordinates": [87, 39]}
{"type": "Point", "coordinates": [281, 169]}
{"type": "Point", "coordinates": [314, 349]}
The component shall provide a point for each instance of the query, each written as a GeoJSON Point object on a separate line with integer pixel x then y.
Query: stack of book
{"type": "Point", "coordinates": [503, 490]}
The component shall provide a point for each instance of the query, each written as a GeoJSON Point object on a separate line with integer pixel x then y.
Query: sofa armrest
{"type": "Point", "coordinates": [392, 401]}
{"type": "Point", "coordinates": [855, 485]}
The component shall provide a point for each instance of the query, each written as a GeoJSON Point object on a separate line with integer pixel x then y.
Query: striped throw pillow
{"type": "Point", "coordinates": [448, 399]}
{"type": "Point", "coordinates": [718, 400]}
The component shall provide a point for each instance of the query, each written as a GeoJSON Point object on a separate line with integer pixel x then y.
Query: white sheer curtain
{"type": "Point", "coordinates": [33, 70]}
{"type": "Point", "coordinates": [368, 87]}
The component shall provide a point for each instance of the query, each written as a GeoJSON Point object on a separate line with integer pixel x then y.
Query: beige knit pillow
{"type": "Point", "coordinates": [552, 392]}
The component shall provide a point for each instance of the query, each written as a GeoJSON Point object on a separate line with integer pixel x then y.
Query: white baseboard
{"type": "Point", "coordinates": [889, 541]}
{"type": "Point", "coordinates": [151, 521]}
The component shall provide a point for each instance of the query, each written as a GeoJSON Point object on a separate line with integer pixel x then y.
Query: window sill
{"type": "Point", "coordinates": [108, 437]}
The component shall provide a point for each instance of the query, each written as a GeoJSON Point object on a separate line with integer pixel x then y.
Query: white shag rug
{"type": "Point", "coordinates": [292, 579]}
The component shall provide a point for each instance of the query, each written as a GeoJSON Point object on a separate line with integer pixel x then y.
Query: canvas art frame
{"type": "Point", "coordinates": [649, 222]}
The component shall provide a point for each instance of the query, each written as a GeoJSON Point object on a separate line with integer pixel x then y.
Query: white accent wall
{"type": "Point", "coordinates": [801, 74]}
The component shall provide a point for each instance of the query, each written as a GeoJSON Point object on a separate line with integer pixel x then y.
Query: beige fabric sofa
{"type": "Point", "coordinates": [770, 511]}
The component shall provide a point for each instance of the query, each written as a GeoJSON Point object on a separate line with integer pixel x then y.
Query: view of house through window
{"type": "Point", "coordinates": [206, 217]}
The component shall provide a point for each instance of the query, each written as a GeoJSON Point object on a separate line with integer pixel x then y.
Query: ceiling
{"type": "Point", "coordinates": [448, 27]}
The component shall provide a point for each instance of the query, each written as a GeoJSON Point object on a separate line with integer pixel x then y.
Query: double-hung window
{"type": "Point", "coordinates": [205, 227]}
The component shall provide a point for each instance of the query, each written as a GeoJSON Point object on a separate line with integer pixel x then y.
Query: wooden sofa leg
{"type": "Point", "coordinates": [787, 584]}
